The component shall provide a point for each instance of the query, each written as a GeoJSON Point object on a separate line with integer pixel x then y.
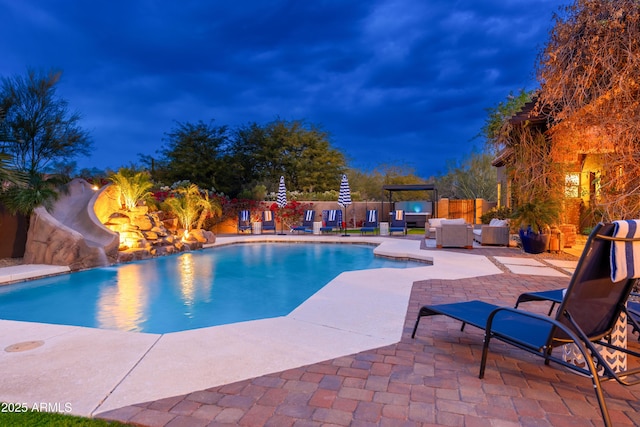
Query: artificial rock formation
{"type": "Point", "coordinates": [145, 234]}
{"type": "Point", "coordinates": [88, 229]}
{"type": "Point", "coordinates": [70, 234]}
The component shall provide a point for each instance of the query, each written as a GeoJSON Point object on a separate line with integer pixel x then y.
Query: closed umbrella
{"type": "Point", "coordinates": [344, 199]}
{"type": "Point", "coordinates": [281, 201]}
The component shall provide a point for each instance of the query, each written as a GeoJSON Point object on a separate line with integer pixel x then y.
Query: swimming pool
{"type": "Point", "coordinates": [192, 290]}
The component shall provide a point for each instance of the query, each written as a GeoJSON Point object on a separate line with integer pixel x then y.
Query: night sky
{"type": "Point", "coordinates": [393, 82]}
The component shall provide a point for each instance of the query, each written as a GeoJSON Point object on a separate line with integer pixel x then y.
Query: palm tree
{"type": "Point", "coordinates": [190, 204]}
{"type": "Point", "coordinates": [8, 173]}
{"type": "Point", "coordinates": [38, 190]}
{"type": "Point", "coordinates": [133, 186]}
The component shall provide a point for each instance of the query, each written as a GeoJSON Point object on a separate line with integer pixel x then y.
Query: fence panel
{"type": "Point", "coordinates": [462, 209]}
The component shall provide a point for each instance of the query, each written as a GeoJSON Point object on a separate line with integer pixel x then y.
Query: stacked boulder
{"type": "Point", "coordinates": [145, 234]}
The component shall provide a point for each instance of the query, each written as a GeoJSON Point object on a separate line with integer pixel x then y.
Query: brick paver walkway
{"type": "Point", "coordinates": [432, 380]}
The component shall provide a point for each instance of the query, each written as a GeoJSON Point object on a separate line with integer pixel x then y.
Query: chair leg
{"type": "Point", "coordinates": [634, 323]}
{"type": "Point", "coordinates": [485, 351]}
{"type": "Point", "coordinates": [415, 327]}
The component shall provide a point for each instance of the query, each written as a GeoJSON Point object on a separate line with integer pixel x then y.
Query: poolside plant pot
{"type": "Point", "coordinates": [534, 243]}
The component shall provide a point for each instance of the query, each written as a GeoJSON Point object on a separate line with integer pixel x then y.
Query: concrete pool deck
{"type": "Point", "coordinates": [93, 371]}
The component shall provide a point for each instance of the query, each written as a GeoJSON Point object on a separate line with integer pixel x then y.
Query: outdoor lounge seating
{"type": "Point", "coordinates": [370, 224]}
{"type": "Point", "coordinates": [494, 233]}
{"type": "Point", "coordinates": [268, 221]}
{"type": "Point", "coordinates": [433, 223]}
{"type": "Point", "coordinates": [398, 223]}
{"type": "Point", "coordinates": [587, 315]}
{"type": "Point", "coordinates": [331, 220]}
{"type": "Point", "coordinates": [244, 221]}
{"type": "Point", "coordinates": [307, 223]}
{"type": "Point", "coordinates": [454, 234]}
{"type": "Point", "coordinates": [555, 297]}
{"type": "Point", "coordinates": [430, 228]}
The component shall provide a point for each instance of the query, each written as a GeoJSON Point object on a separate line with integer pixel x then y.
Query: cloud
{"type": "Point", "coordinates": [402, 81]}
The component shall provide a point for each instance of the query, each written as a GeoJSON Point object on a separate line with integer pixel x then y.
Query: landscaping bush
{"type": "Point", "coordinates": [497, 213]}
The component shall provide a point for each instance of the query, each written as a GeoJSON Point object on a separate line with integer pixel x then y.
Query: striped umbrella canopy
{"type": "Point", "coordinates": [281, 200]}
{"type": "Point", "coordinates": [344, 198]}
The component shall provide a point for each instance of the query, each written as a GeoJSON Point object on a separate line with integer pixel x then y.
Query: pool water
{"type": "Point", "coordinates": [192, 290]}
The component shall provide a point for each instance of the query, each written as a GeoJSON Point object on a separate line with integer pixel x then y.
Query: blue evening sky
{"type": "Point", "coordinates": [401, 82]}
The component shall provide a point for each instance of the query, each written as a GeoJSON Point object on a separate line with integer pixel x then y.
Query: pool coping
{"type": "Point", "coordinates": [92, 371]}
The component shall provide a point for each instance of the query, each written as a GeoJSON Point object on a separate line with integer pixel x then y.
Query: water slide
{"type": "Point", "coordinates": [71, 234]}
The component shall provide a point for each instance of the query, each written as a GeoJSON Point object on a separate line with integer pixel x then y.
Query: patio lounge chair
{"type": "Point", "coordinates": [268, 221]}
{"type": "Point", "coordinates": [332, 220]}
{"type": "Point", "coordinates": [244, 221]}
{"type": "Point", "coordinates": [555, 296]}
{"type": "Point", "coordinates": [370, 224]}
{"type": "Point", "coordinates": [587, 315]}
{"type": "Point", "coordinates": [398, 222]}
{"type": "Point", "coordinates": [307, 222]}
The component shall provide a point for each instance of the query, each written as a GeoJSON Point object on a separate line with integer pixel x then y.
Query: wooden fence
{"type": "Point", "coordinates": [470, 210]}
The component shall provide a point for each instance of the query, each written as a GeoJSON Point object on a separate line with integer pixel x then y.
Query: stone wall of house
{"type": "Point", "coordinates": [572, 211]}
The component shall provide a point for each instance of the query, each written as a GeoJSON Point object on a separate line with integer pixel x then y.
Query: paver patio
{"type": "Point", "coordinates": [432, 380]}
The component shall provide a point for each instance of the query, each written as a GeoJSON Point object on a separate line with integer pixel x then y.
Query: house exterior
{"type": "Point", "coordinates": [580, 151]}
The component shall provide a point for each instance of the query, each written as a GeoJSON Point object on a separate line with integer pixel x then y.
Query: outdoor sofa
{"type": "Point", "coordinates": [454, 233]}
{"type": "Point", "coordinates": [495, 233]}
{"type": "Point", "coordinates": [433, 223]}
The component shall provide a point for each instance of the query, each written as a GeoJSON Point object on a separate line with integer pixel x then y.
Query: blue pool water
{"type": "Point", "coordinates": [196, 289]}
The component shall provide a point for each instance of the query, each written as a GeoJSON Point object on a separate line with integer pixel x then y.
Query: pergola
{"type": "Point", "coordinates": [412, 187]}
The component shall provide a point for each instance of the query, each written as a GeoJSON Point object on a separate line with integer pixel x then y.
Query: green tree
{"type": "Point", "coordinates": [369, 184]}
{"type": "Point", "coordinates": [473, 178]}
{"type": "Point", "coordinates": [193, 152]}
{"type": "Point", "coordinates": [300, 152]}
{"type": "Point", "coordinates": [22, 192]}
{"type": "Point", "coordinates": [494, 130]}
{"type": "Point", "coordinates": [38, 127]}
{"type": "Point", "coordinates": [8, 172]}
{"type": "Point", "coordinates": [246, 160]}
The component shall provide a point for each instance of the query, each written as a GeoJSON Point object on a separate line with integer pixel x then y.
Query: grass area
{"type": "Point", "coordinates": [10, 417]}
{"type": "Point", "coordinates": [412, 231]}
{"type": "Point", "coordinates": [415, 231]}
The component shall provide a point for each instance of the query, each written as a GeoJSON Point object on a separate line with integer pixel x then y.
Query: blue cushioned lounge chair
{"type": "Point", "coordinates": [268, 221]}
{"type": "Point", "coordinates": [370, 224]}
{"type": "Point", "coordinates": [586, 316]}
{"type": "Point", "coordinates": [332, 221]}
{"type": "Point", "coordinates": [398, 222]}
{"type": "Point", "coordinates": [244, 221]}
{"type": "Point", "coordinates": [307, 223]}
{"type": "Point", "coordinates": [555, 297]}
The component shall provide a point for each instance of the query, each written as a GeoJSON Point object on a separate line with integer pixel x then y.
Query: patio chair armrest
{"type": "Point", "coordinates": [494, 235]}
{"type": "Point", "coordinates": [581, 342]}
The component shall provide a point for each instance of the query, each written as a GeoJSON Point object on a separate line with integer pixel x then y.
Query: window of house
{"type": "Point", "coordinates": [572, 185]}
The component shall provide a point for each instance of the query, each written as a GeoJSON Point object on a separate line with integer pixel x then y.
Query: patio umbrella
{"type": "Point", "coordinates": [281, 200]}
{"type": "Point", "coordinates": [344, 199]}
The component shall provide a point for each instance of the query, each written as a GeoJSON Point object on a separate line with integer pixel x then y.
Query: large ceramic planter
{"type": "Point", "coordinates": [534, 243]}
